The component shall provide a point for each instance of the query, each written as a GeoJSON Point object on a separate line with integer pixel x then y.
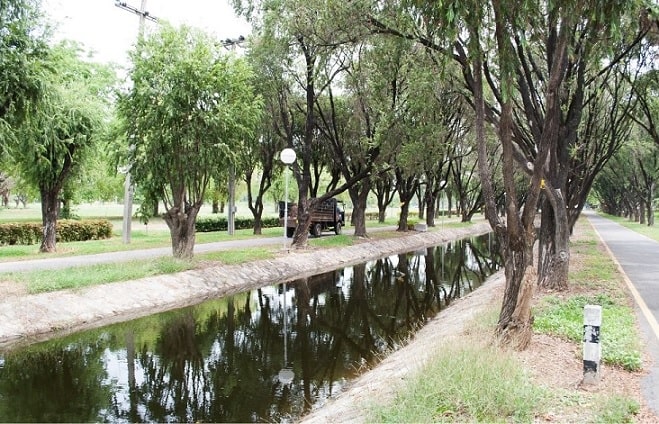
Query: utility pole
{"type": "Point", "coordinates": [128, 185]}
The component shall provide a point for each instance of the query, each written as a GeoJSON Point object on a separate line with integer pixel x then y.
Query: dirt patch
{"type": "Point", "coordinates": [12, 289]}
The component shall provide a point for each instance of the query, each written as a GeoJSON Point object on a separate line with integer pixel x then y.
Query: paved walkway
{"type": "Point", "coordinates": [638, 258]}
{"type": "Point", "coordinates": [130, 255]}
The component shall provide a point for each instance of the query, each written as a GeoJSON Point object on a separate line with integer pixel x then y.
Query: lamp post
{"type": "Point", "coordinates": [288, 157]}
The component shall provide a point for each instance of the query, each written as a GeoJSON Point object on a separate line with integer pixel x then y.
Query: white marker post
{"type": "Point", "coordinates": [592, 349]}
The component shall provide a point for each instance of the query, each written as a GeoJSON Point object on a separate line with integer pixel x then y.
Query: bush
{"type": "Point", "coordinates": [67, 231]}
{"type": "Point", "coordinates": [24, 233]}
{"type": "Point", "coordinates": [219, 223]}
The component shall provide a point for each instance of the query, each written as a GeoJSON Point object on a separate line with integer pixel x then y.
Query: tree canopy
{"type": "Point", "coordinates": [190, 107]}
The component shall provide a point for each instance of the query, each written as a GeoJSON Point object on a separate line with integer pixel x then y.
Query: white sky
{"type": "Point", "coordinates": [110, 31]}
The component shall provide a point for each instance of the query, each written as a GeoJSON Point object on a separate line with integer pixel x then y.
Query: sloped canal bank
{"type": "Point", "coordinates": [267, 354]}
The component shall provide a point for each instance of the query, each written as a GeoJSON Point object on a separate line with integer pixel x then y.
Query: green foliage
{"type": "Point", "coordinates": [189, 109]}
{"type": "Point", "coordinates": [22, 52]}
{"type": "Point", "coordinates": [69, 118]}
{"type": "Point", "coordinates": [219, 223]}
{"type": "Point", "coordinates": [464, 384]}
{"type": "Point", "coordinates": [67, 231]}
{"type": "Point", "coordinates": [23, 233]}
{"type": "Point", "coordinates": [564, 317]}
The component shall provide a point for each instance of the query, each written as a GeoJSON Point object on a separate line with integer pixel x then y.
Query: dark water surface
{"type": "Point", "coordinates": [266, 355]}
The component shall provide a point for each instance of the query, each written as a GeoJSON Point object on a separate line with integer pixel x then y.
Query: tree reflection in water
{"type": "Point", "coordinates": [222, 360]}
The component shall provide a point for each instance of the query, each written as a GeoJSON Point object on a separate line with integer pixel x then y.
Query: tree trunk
{"type": "Point", "coordinates": [404, 213]}
{"type": "Point", "coordinates": [554, 248]}
{"type": "Point", "coordinates": [258, 222]}
{"type": "Point", "coordinates": [49, 207]}
{"type": "Point", "coordinates": [431, 201]}
{"type": "Point", "coordinates": [641, 215]}
{"type": "Point", "coordinates": [301, 236]}
{"type": "Point", "coordinates": [359, 197]}
{"type": "Point", "coordinates": [384, 193]}
{"type": "Point", "coordinates": [382, 215]}
{"type": "Point", "coordinates": [514, 327]}
{"type": "Point", "coordinates": [649, 201]}
{"type": "Point", "coordinates": [182, 229]}
{"type": "Point", "coordinates": [431, 211]}
{"type": "Point", "coordinates": [650, 207]}
{"type": "Point", "coordinates": [421, 205]}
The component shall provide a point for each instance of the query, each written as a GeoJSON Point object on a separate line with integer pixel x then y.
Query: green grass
{"type": "Point", "coordinates": [464, 384]}
{"type": "Point", "coordinates": [238, 256]}
{"type": "Point", "coordinates": [616, 410]}
{"type": "Point", "coordinates": [333, 241]}
{"type": "Point", "coordinates": [563, 317]}
{"type": "Point", "coordinates": [79, 277]}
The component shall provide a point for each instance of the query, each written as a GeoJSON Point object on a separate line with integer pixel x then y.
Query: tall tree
{"type": "Point", "coordinates": [312, 35]}
{"type": "Point", "coordinates": [189, 109]}
{"type": "Point", "coordinates": [58, 133]}
{"type": "Point", "coordinates": [540, 61]}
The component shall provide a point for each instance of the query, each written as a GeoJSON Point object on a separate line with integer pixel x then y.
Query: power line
{"type": "Point", "coordinates": [143, 14]}
{"type": "Point", "coordinates": [230, 42]}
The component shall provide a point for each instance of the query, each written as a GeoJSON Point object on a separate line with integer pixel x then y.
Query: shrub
{"type": "Point", "coordinates": [219, 223]}
{"type": "Point", "coordinates": [67, 230]}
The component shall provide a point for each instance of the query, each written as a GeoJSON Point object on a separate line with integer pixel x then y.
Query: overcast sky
{"type": "Point", "coordinates": [110, 31]}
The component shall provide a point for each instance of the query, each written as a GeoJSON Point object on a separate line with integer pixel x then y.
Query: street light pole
{"type": "Point", "coordinates": [288, 157]}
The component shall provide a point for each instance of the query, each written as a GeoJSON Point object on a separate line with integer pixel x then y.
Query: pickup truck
{"type": "Point", "coordinates": [325, 216]}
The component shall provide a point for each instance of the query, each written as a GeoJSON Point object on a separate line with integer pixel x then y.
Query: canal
{"type": "Point", "coordinates": [266, 355]}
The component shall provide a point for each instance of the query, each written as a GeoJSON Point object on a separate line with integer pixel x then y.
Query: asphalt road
{"type": "Point", "coordinates": [638, 258]}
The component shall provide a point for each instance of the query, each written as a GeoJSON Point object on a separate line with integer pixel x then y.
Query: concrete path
{"type": "Point", "coordinates": [637, 258]}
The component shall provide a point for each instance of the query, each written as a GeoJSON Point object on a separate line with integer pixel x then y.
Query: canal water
{"type": "Point", "coordinates": [266, 355]}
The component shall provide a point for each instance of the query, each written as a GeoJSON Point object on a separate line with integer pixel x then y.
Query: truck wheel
{"type": "Point", "coordinates": [317, 229]}
{"type": "Point", "coordinates": [290, 231]}
{"type": "Point", "coordinates": [337, 228]}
